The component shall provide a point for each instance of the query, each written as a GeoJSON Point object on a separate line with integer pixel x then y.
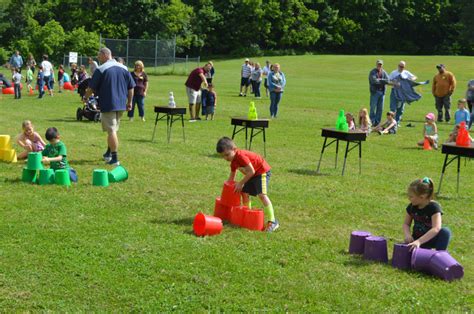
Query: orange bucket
{"type": "Point", "coordinates": [222, 211]}
{"type": "Point", "coordinates": [253, 220]}
{"type": "Point", "coordinates": [206, 225]}
{"type": "Point", "coordinates": [238, 215]}
{"type": "Point", "coordinates": [228, 196]}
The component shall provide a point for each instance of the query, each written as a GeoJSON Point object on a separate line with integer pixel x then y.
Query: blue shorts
{"type": "Point", "coordinates": [245, 81]}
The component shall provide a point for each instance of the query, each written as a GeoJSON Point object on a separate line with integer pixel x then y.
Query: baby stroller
{"type": "Point", "coordinates": [81, 89]}
{"type": "Point", "coordinates": [90, 110]}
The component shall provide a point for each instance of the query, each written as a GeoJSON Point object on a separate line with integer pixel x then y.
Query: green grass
{"type": "Point", "coordinates": [130, 247]}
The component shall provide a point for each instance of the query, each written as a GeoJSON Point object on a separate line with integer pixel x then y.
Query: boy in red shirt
{"type": "Point", "coordinates": [256, 173]}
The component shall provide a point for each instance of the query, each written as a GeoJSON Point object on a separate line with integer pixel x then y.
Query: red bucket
{"type": "Point", "coordinates": [222, 211]}
{"type": "Point", "coordinates": [228, 196]}
{"type": "Point", "coordinates": [238, 215]}
{"type": "Point", "coordinates": [206, 225]}
{"type": "Point", "coordinates": [253, 220]}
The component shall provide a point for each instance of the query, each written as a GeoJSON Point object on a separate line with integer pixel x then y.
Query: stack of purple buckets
{"type": "Point", "coordinates": [438, 263]}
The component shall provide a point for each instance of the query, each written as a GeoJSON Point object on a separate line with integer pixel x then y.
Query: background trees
{"type": "Point", "coordinates": [242, 27]}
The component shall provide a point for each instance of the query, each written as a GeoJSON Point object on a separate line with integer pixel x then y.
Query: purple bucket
{"type": "Point", "coordinates": [356, 245]}
{"type": "Point", "coordinates": [443, 265]}
{"type": "Point", "coordinates": [401, 256]}
{"type": "Point", "coordinates": [420, 259]}
{"type": "Point", "coordinates": [375, 249]}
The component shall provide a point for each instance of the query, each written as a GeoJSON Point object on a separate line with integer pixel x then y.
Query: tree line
{"type": "Point", "coordinates": [241, 27]}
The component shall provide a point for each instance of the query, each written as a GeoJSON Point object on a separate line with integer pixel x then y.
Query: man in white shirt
{"type": "Point", "coordinates": [400, 73]}
{"type": "Point", "coordinates": [48, 73]}
{"type": "Point", "coordinates": [245, 77]}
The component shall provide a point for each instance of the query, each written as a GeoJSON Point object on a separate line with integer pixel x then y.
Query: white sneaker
{"type": "Point", "coordinates": [143, 119]}
{"type": "Point", "coordinates": [130, 119]}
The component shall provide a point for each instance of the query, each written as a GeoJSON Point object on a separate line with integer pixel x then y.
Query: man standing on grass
{"type": "Point", "coordinates": [378, 78]}
{"type": "Point", "coordinates": [443, 87]}
{"type": "Point", "coordinates": [114, 85]}
{"type": "Point", "coordinates": [193, 89]}
{"type": "Point", "coordinates": [398, 105]}
{"type": "Point", "coordinates": [245, 77]}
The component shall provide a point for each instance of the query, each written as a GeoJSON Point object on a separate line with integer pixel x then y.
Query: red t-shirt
{"type": "Point", "coordinates": [243, 158]}
{"type": "Point", "coordinates": [194, 79]}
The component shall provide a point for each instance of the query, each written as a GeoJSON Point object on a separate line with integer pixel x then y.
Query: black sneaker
{"type": "Point", "coordinates": [107, 157]}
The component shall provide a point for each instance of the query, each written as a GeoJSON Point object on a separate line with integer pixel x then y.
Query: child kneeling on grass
{"type": "Point", "coordinates": [426, 214]}
{"type": "Point", "coordinates": [256, 176]}
{"type": "Point", "coordinates": [55, 153]}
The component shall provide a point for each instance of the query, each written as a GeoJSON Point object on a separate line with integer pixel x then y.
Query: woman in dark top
{"type": "Point", "coordinates": [139, 93]}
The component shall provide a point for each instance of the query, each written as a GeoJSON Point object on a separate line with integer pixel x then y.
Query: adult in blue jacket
{"type": "Point", "coordinates": [276, 85]}
{"type": "Point", "coordinates": [114, 85]}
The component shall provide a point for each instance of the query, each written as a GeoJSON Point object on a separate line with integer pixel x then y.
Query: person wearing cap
{"type": "Point", "coordinates": [378, 78]}
{"type": "Point", "coordinates": [396, 105]}
{"type": "Point", "coordinates": [444, 84]}
{"type": "Point", "coordinates": [245, 77]}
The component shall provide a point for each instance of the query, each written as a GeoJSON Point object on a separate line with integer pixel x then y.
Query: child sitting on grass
{"type": "Point", "coordinates": [430, 131]}
{"type": "Point", "coordinates": [55, 153]}
{"type": "Point", "coordinates": [30, 140]}
{"type": "Point", "coordinates": [350, 121]}
{"type": "Point", "coordinates": [256, 176]}
{"type": "Point", "coordinates": [426, 214]}
{"type": "Point", "coordinates": [365, 124]}
{"type": "Point", "coordinates": [389, 126]}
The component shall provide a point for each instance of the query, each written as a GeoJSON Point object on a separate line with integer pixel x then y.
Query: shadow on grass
{"type": "Point", "coordinates": [15, 181]}
{"type": "Point", "coordinates": [140, 140]}
{"type": "Point", "coordinates": [68, 119]}
{"type": "Point", "coordinates": [215, 155]}
{"type": "Point", "coordinates": [188, 222]}
{"type": "Point", "coordinates": [413, 148]}
{"type": "Point", "coordinates": [307, 172]}
{"type": "Point", "coordinates": [86, 162]}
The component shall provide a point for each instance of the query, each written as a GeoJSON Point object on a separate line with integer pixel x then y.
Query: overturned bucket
{"type": "Point", "coordinates": [375, 249]}
{"type": "Point", "coordinates": [46, 176]}
{"type": "Point", "coordinates": [228, 196]}
{"type": "Point", "coordinates": [443, 265]}
{"type": "Point", "coordinates": [356, 245]}
{"type": "Point", "coordinates": [34, 161]}
{"type": "Point", "coordinates": [61, 177]}
{"type": "Point", "coordinates": [420, 259]}
{"type": "Point", "coordinates": [100, 177]}
{"type": "Point", "coordinates": [401, 256]}
{"type": "Point", "coordinates": [206, 225]}
{"type": "Point", "coordinates": [118, 174]}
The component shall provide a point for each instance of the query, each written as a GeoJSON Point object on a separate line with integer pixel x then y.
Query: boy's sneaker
{"type": "Point", "coordinates": [113, 162]}
{"type": "Point", "coordinates": [107, 157]}
{"type": "Point", "coordinates": [192, 120]}
{"type": "Point", "coordinates": [272, 226]}
{"type": "Point", "coordinates": [143, 119]}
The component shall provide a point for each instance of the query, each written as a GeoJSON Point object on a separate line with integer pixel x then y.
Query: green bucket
{"type": "Point", "coordinates": [118, 174]}
{"type": "Point", "coordinates": [46, 176]}
{"type": "Point", "coordinates": [61, 177]}
{"type": "Point", "coordinates": [34, 161]}
{"type": "Point", "coordinates": [100, 177]}
{"type": "Point", "coordinates": [28, 175]}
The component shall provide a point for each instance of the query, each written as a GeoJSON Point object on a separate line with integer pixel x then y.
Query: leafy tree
{"type": "Point", "coordinates": [81, 41]}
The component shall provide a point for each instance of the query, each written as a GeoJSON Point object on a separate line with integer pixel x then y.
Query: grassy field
{"type": "Point", "coordinates": [130, 247]}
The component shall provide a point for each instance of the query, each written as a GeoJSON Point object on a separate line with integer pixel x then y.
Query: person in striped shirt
{"type": "Point", "coordinates": [245, 77]}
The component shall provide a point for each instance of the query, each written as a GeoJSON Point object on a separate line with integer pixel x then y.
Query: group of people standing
{"type": "Point", "coordinates": [274, 79]}
{"type": "Point", "coordinates": [402, 82]}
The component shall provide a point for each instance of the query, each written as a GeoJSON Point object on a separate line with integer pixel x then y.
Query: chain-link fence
{"type": "Point", "coordinates": [158, 56]}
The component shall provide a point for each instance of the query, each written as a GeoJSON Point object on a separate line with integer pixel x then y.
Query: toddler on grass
{"type": "Point", "coordinates": [256, 176]}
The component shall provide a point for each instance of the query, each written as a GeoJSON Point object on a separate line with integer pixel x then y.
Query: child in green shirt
{"type": "Point", "coordinates": [55, 153]}
{"type": "Point", "coordinates": [29, 79]}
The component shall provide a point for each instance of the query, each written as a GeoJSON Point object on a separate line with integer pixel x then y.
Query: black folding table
{"type": "Point", "coordinates": [171, 114]}
{"type": "Point", "coordinates": [458, 152]}
{"type": "Point", "coordinates": [350, 137]}
{"type": "Point", "coordinates": [259, 125]}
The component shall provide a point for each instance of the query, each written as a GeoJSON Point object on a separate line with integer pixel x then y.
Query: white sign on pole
{"type": "Point", "coordinates": [72, 57]}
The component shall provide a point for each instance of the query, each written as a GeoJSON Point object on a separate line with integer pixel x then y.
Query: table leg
{"type": "Point", "coordinates": [337, 151]}
{"type": "Point", "coordinates": [442, 173]}
{"type": "Point", "coordinates": [360, 157]}
{"type": "Point", "coordinates": [345, 158]}
{"type": "Point", "coordinates": [182, 125]}
{"type": "Point", "coordinates": [264, 144]}
{"type": "Point", "coordinates": [459, 166]}
{"type": "Point", "coordinates": [233, 133]}
{"type": "Point", "coordinates": [246, 137]}
{"type": "Point", "coordinates": [168, 127]}
{"type": "Point", "coordinates": [322, 152]}
{"type": "Point", "coordinates": [154, 130]}
{"type": "Point", "coordinates": [251, 138]}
